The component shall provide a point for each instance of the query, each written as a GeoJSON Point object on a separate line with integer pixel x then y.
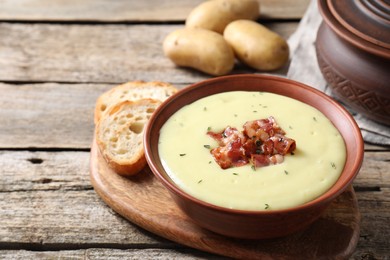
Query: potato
{"type": "Point", "coordinates": [256, 46]}
{"type": "Point", "coordinates": [214, 15]}
{"type": "Point", "coordinates": [200, 49]}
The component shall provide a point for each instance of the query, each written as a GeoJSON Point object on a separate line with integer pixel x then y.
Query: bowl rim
{"type": "Point", "coordinates": [326, 197]}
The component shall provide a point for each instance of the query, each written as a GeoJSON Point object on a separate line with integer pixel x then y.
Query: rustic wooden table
{"type": "Point", "coordinates": [56, 58]}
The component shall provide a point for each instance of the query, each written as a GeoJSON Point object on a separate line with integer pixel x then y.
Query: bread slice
{"type": "Point", "coordinates": [134, 90]}
{"type": "Point", "coordinates": [119, 135]}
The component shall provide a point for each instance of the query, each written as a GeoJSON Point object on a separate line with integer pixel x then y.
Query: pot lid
{"type": "Point", "coordinates": [368, 19]}
{"type": "Point", "coordinates": [364, 23]}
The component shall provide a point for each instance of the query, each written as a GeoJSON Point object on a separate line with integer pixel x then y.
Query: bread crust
{"type": "Point", "coordinates": [119, 135]}
{"type": "Point", "coordinates": [126, 170]}
{"type": "Point", "coordinates": [133, 90]}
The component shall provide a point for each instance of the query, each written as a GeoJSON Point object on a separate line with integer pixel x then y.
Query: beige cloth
{"type": "Point", "coordinates": [304, 68]}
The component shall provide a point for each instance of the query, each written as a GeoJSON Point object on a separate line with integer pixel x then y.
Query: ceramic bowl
{"type": "Point", "coordinates": [353, 51]}
{"type": "Point", "coordinates": [255, 224]}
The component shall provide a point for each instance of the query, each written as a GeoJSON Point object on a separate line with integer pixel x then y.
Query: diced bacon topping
{"type": "Point", "coordinates": [262, 143]}
{"type": "Point", "coordinates": [262, 129]}
{"type": "Point", "coordinates": [231, 151]}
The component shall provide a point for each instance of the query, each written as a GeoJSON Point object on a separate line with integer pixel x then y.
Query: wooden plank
{"type": "Point", "coordinates": [26, 171]}
{"type": "Point", "coordinates": [128, 10]}
{"type": "Point", "coordinates": [374, 232]}
{"type": "Point", "coordinates": [279, 9]}
{"type": "Point", "coordinates": [375, 171]}
{"type": "Point", "coordinates": [52, 115]}
{"type": "Point", "coordinates": [48, 115]}
{"type": "Point", "coordinates": [95, 53]}
{"type": "Point", "coordinates": [113, 254]}
{"type": "Point", "coordinates": [43, 194]}
{"type": "Point", "coordinates": [373, 147]}
{"type": "Point", "coordinates": [106, 253]}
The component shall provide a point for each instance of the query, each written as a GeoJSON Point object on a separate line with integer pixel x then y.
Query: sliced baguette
{"type": "Point", "coordinates": [134, 90]}
{"type": "Point", "coordinates": [119, 135]}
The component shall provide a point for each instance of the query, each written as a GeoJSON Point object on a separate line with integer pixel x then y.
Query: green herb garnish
{"type": "Point", "coordinates": [266, 206]}
{"type": "Point", "coordinates": [200, 181]}
{"type": "Point", "coordinates": [333, 165]}
{"type": "Point", "coordinates": [206, 146]}
{"type": "Point", "coordinates": [182, 154]}
{"type": "Point", "coordinates": [286, 172]}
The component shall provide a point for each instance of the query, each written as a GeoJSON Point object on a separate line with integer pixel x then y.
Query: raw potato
{"type": "Point", "coordinates": [257, 46]}
{"type": "Point", "coordinates": [200, 49]}
{"type": "Point", "coordinates": [214, 15]}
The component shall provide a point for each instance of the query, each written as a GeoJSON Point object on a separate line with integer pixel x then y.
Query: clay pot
{"type": "Point", "coordinates": [353, 51]}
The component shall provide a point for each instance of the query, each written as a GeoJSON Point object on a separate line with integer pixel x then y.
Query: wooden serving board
{"type": "Point", "coordinates": [144, 201]}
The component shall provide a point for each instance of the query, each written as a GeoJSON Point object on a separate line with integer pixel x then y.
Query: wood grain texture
{"type": "Point", "coordinates": [95, 53]}
{"type": "Point", "coordinates": [128, 11]}
{"type": "Point", "coordinates": [39, 188]}
{"type": "Point", "coordinates": [52, 205]}
{"type": "Point", "coordinates": [29, 171]}
{"type": "Point", "coordinates": [48, 115]}
{"type": "Point", "coordinates": [376, 170]}
{"type": "Point", "coordinates": [52, 115]}
{"type": "Point", "coordinates": [374, 239]}
{"type": "Point", "coordinates": [107, 253]}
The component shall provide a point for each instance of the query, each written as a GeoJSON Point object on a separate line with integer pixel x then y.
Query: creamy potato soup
{"type": "Point", "coordinates": [304, 174]}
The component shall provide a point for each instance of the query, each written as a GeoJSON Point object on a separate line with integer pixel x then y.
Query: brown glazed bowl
{"type": "Point", "coordinates": [353, 52]}
{"type": "Point", "coordinates": [255, 224]}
